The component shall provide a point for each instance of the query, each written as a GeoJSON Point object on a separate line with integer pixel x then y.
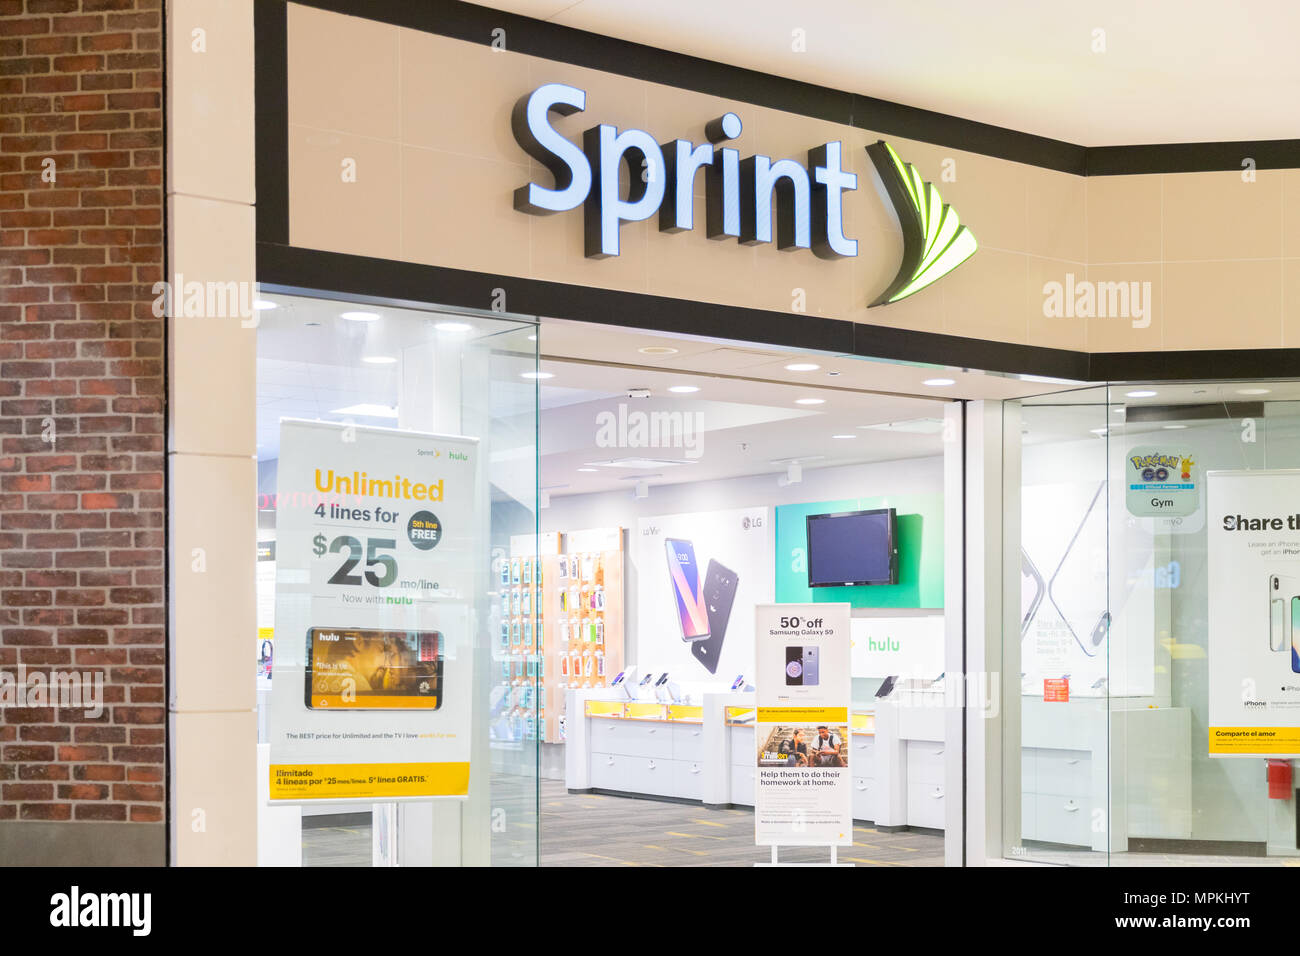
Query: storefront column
{"type": "Point", "coordinates": [976, 595]}
{"type": "Point", "coordinates": [211, 441]}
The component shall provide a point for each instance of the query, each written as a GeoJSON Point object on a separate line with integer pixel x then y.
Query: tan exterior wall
{"type": "Point", "coordinates": [426, 120]}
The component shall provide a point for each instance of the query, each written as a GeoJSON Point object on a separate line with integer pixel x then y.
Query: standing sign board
{"type": "Point", "coordinates": [803, 688]}
{"type": "Point", "coordinates": [1253, 552]}
{"type": "Point", "coordinates": [378, 550]}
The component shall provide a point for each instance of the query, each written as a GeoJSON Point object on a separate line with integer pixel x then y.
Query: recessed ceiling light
{"type": "Point", "coordinates": [380, 359]}
{"type": "Point", "coordinates": [361, 316]}
{"type": "Point", "coordinates": [532, 338]}
{"type": "Point", "coordinates": [939, 382]}
{"type": "Point", "coordinates": [810, 401]}
{"type": "Point", "coordinates": [367, 410]}
{"type": "Point", "coordinates": [1253, 391]}
{"type": "Point", "coordinates": [1140, 393]}
{"type": "Point", "coordinates": [537, 375]}
{"type": "Point", "coordinates": [1098, 431]}
{"type": "Point", "coordinates": [588, 469]}
{"type": "Point", "coordinates": [802, 367]}
{"type": "Point", "coordinates": [683, 389]}
{"type": "Point", "coordinates": [1171, 427]}
{"type": "Point", "coordinates": [844, 436]}
{"type": "Point", "coordinates": [452, 326]}
{"type": "Point", "coordinates": [657, 350]}
{"type": "Point", "coordinates": [261, 305]}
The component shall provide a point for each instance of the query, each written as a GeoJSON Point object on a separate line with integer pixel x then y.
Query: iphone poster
{"type": "Point", "coordinates": [1253, 554]}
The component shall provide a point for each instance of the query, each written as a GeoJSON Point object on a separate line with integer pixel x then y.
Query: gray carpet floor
{"type": "Point", "coordinates": [602, 830]}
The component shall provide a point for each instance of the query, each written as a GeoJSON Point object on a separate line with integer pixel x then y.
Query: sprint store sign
{"type": "Point", "coordinates": [741, 194]}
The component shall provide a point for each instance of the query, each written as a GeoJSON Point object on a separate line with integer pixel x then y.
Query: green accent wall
{"type": "Point", "coordinates": [920, 553]}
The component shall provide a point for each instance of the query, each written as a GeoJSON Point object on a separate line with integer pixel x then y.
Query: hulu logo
{"type": "Point", "coordinates": [884, 644]}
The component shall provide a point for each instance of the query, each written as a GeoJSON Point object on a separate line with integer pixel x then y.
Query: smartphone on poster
{"type": "Point", "coordinates": [361, 669]}
{"type": "Point", "coordinates": [688, 589]}
{"type": "Point", "coordinates": [720, 583]}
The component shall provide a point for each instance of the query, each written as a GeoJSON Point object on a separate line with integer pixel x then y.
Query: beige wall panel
{"type": "Point", "coordinates": [362, 217]}
{"type": "Point", "coordinates": [1223, 305]}
{"type": "Point", "coordinates": [1058, 332]}
{"type": "Point", "coordinates": [1124, 219]}
{"type": "Point", "coordinates": [1117, 333]}
{"type": "Point", "coordinates": [443, 218]}
{"type": "Point", "coordinates": [214, 599]}
{"type": "Point", "coordinates": [448, 103]}
{"type": "Point", "coordinates": [343, 73]}
{"type": "Point", "coordinates": [985, 297]}
{"type": "Point", "coordinates": [1056, 214]}
{"type": "Point", "coordinates": [1217, 216]}
{"type": "Point", "coordinates": [458, 97]}
{"type": "Point", "coordinates": [1291, 212]}
{"type": "Point", "coordinates": [210, 124]}
{"type": "Point", "coordinates": [1291, 303]}
{"type": "Point", "coordinates": [214, 793]}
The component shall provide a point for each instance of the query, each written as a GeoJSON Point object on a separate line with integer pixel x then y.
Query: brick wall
{"type": "Point", "coordinates": [82, 558]}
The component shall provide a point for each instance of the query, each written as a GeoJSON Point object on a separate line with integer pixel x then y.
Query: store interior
{"type": "Point", "coordinates": [624, 462]}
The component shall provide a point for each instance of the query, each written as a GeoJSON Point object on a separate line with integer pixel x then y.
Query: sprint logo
{"type": "Point", "coordinates": [934, 240]}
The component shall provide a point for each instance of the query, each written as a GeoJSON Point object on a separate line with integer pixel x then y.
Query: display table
{"type": "Point", "coordinates": [637, 748]}
{"type": "Point", "coordinates": [1078, 759]}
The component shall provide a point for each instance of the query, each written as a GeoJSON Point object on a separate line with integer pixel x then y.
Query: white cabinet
{"type": "Point", "coordinates": [925, 807]}
{"type": "Point", "coordinates": [654, 758]}
{"type": "Point", "coordinates": [866, 799]}
{"type": "Point", "coordinates": [742, 784]}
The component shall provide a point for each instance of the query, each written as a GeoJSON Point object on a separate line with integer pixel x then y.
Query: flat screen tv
{"type": "Point", "coordinates": [852, 548]}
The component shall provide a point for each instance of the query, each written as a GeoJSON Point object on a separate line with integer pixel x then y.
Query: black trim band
{"type": "Point", "coordinates": [271, 105]}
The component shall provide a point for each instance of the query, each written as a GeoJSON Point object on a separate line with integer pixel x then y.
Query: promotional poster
{"type": "Point", "coordinates": [1253, 544]}
{"type": "Point", "coordinates": [803, 788]}
{"type": "Point", "coordinates": [377, 547]}
{"type": "Point", "coordinates": [699, 577]}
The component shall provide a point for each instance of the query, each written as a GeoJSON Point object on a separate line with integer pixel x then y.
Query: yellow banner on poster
{"type": "Point", "coordinates": [1254, 741]}
{"type": "Point", "coordinates": [803, 715]}
{"type": "Point", "coordinates": [342, 781]}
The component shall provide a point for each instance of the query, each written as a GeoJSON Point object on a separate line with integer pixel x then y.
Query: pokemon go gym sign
{"type": "Point", "coordinates": [741, 195]}
{"type": "Point", "coordinates": [1161, 482]}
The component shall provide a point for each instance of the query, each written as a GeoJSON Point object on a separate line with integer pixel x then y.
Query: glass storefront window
{"type": "Point", "coordinates": [1135, 736]}
{"type": "Point", "coordinates": [397, 582]}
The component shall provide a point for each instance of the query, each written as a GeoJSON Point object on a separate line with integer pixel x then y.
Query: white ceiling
{"type": "Point", "coordinates": [1172, 70]}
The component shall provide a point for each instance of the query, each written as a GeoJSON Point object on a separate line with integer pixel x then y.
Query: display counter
{"type": "Point", "coordinates": [706, 753]}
